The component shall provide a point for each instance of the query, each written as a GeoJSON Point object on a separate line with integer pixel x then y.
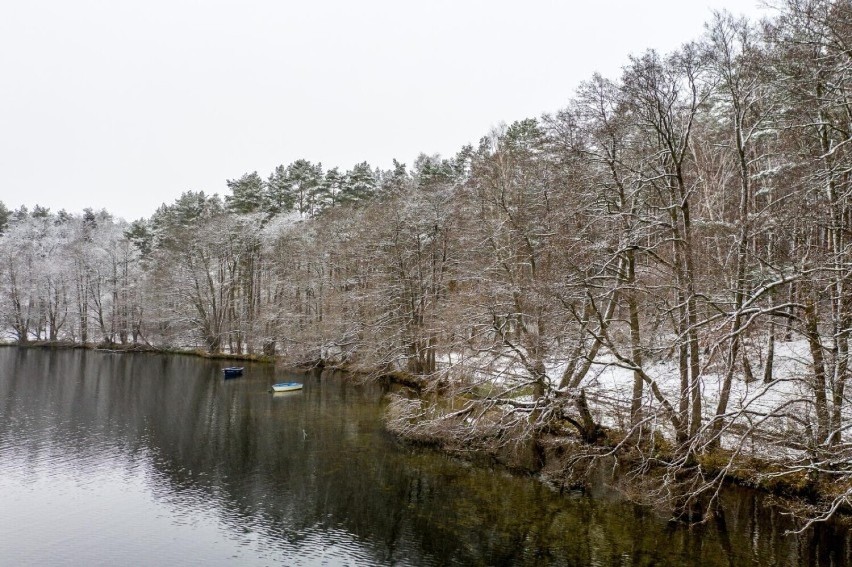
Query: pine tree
{"type": "Point", "coordinates": [359, 184]}
{"type": "Point", "coordinates": [302, 180]}
{"type": "Point", "coordinates": [328, 195]}
{"type": "Point", "coordinates": [394, 181]}
{"type": "Point", "coordinates": [432, 170]}
{"type": "Point", "coordinates": [247, 194]}
{"type": "Point", "coordinates": [279, 198]}
{"type": "Point", "coordinates": [5, 215]}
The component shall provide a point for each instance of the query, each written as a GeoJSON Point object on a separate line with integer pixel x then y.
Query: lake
{"type": "Point", "coordinates": [141, 459]}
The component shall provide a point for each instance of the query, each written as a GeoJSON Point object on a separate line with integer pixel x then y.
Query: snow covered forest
{"type": "Point", "coordinates": [663, 264]}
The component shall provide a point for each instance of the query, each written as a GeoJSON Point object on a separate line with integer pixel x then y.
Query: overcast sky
{"type": "Point", "coordinates": [124, 105]}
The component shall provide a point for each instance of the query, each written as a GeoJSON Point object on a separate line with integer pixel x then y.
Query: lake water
{"type": "Point", "coordinates": [139, 459]}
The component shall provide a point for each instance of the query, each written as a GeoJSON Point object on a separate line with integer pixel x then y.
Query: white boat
{"type": "Point", "coordinates": [286, 386]}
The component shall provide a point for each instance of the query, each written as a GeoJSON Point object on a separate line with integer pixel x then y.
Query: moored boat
{"type": "Point", "coordinates": [286, 386]}
{"type": "Point", "coordinates": [233, 371]}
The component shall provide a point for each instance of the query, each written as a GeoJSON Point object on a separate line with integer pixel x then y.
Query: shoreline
{"type": "Point", "coordinates": [119, 348]}
{"type": "Point", "coordinates": [564, 461]}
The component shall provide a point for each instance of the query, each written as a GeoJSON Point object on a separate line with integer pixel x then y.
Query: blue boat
{"type": "Point", "coordinates": [233, 371]}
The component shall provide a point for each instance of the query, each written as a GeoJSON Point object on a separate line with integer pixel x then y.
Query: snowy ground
{"type": "Point", "coordinates": [773, 414]}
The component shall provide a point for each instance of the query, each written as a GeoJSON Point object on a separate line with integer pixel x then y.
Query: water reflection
{"type": "Point", "coordinates": [146, 459]}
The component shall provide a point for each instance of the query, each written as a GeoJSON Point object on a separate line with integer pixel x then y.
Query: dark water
{"type": "Point", "coordinates": [156, 460]}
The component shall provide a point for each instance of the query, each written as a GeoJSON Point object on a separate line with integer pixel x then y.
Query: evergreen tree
{"type": "Point", "coordinates": [21, 214]}
{"type": "Point", "coordinates": [141, 236]}
{"type": "Point", "coordinates": [359, 184]}
{"type": "Point", "coordinates": [279, 198]}
{"type": "Point", "coordinates": [5, 216]}
{"type": "Point", "coordinates": [40, 212]}
{"type": "Point", "coordinates": [394, 181]}
{"type": "Point", "coordinates": [329, 194]}
{"type": "Point", "coordinates": [63, 217]}
{"type": "Point", "coordinates": [302, 180]}
{"type": "Point", "coordinates": [431, 170]}
{"type": "Point", "coordinates": [247, 194]}
{"type": "Point", "coordinates": [170, 222]}
{"type": "Point", "coordinates": [524, 136]}
{"type": "Point", "coordinates": [89, 218]}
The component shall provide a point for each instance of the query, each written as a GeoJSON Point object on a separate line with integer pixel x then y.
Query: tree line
{"type": "Point", "coordinates": [682, 230]}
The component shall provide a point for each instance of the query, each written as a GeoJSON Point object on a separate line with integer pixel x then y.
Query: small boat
{"type": "Point", "coordinates": [286, 386]}
{"type": "Point", "coordinates": [233, 371]}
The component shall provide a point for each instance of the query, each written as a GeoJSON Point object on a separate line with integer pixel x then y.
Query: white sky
{"type": "Point", "coordinates": [123, 105]}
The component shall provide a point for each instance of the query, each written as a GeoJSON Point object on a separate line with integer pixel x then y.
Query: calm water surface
{"type": "Point", "coordinates": [110, 459]}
